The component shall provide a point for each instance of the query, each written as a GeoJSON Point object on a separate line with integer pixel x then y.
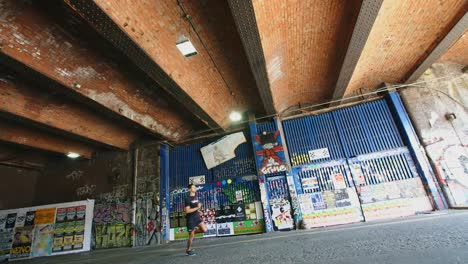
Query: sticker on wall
{"type": "Point", "coordinates": [309, 184]}
{"type": "Point", "coordinates": [338, 181]}
{"type": "Point", "coordinates": [281, 214]}
{"type": "Point", "coordinates": [269, 153]}
{"type": "Point", "coordinates": [197, 180]}
{"type": "Point", "coordinates": [317, 154]}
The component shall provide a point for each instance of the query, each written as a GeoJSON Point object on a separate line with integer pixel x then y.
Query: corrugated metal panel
{"type": "Point", "coordinates": [266, 126]}
{"type": "Point", "coordinates": [311, 133]}
{"type": "Point", "coordinates": [187, 161]}
{"type": "Point", "coordinates": [386, 166]}
{"type": "Point", "coordinates": [367, 128]}
{"type": "Point", "coordinates": [323, 173]}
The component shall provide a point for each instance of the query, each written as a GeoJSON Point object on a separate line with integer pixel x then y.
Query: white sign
{"type": "Point", "coordinates": [197, 180]}
{"type": "Point", "coordinates": [222, 150]}
{"type": "Point", "coordinates": [211, 230]}
{"type": "Point", "coordinates": [225, 229]}
{"type": "Point", "coordinates": [239, 196]}
{"type": "Point", "coordinates": [338, 181]}
{"type": "Point", "coordinates": [319, 154]}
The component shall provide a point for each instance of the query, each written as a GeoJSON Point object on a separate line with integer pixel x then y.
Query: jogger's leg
{"type": "Point", "coordinates": [189, 241]}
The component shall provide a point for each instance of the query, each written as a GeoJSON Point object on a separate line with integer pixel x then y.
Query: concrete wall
{"type": "Point", "coordinates": [17, 187]}
{"type": "Point", "coordinates": [442, 90]}
{"type": "Point", "coordinates": [107, 178]}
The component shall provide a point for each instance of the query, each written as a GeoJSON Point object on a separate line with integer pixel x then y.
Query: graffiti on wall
{"type": "Point", "coordinates": [452, 167]}
{"type": "Point", "coordinates": [110, 235]}
{"type": "Point", "coordinates": [112, 219]}
{"type": "Point", "coordinates": [86, 190]}
{"type": "Point", "coordinates": [147, 225]}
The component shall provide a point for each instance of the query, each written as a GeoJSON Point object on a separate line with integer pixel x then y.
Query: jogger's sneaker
{"type": "Point", "coordinates": [191, 253]}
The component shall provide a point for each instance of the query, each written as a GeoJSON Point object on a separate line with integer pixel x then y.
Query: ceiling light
{"type": "Point", "coordinates": [73, 155]}
{"type": "Point", "coordinates": [235, 116]}
{"type": "Point", "coordinates": [187, 48]}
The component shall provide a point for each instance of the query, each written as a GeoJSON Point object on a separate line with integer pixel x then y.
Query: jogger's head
{"type": "Point", "coordinates": [192, 188]}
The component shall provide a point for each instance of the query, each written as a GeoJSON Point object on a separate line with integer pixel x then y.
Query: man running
{"type": "Point", "coordinates": [195, 224]}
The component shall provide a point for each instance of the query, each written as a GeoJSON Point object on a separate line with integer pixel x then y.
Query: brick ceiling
{"type": "Point", "coordinates": [104, 74]}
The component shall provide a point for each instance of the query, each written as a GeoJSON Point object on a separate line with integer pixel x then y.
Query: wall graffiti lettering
{"type": "Point", "coordinates": [147, 226]}
{"type": "Point", "coordinates": [112, 213]}
{"type": "Point", "coordinates": [85, 190]}
{"type": "Point", "coordinates": [74, 175]}
{"type": "Point", "coordinates": [112, 235]}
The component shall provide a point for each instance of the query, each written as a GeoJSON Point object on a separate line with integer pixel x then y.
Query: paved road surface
{"type": "Point", "coordinates": [434, 238]}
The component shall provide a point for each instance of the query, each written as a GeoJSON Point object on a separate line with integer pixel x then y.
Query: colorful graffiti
{"type": "Point", "coordinates": [269, 153]}
{"type": "Point", "coordinates": [112, 225]}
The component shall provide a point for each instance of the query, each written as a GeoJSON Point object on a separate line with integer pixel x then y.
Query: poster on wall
{"type": "Point", "coordinates": [45, 230]}
{"type": "Point", "coordinates": [30, 216]}
{"type": "Point", "coordinates": [222, 150]}
{"type": "Point", "coordinates": [338, 181]}
{"type": "Point", "coordinates": [305, 201]}
{"type": "Point", "coordinates": [44, 216]}
{"type": "Point", "coordinates": [10, 221]}
{"type": "Point", "coordinates": [269, 153]}
{"type": "Point", "coordinates": [281, 214]}
{"type": "Point", "coordinates": [22, 243]}
{"type": "Point", "coordinates": [43, 240]}
{"type": "Point", "coordinates": [317, 154]}
{"type": "Point", "coordinates": [309, 184]}
{"type": "Point", "coordinates": [6, 235]}
{"type": "Point", "coordinates": [317, 201]}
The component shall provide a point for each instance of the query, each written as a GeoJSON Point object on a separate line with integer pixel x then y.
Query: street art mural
{"type": "Point", "coordinates": [452, 168]}
{"type": "Point", "coordinates": [269, 153]}
{"type": "Point", "coordinates": [112, 219]}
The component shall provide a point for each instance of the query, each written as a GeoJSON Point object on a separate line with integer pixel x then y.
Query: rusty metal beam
{"type": "Point", "coordinates": [452, 36]}
{"type": "Point", "coordinates": [366, 19]}
{"type": "Point", "coordinates": [30, 42]}
{"type": "Point", "coordinates": [131, 45]}
{"type": "Point", "coordinates": [244, 16]}
{"type": "Point", "coordinates": [56, 111]}
{"type": "Point", "coordinates": [23, 135]}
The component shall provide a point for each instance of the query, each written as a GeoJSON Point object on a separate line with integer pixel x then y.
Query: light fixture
{"type": "Point", "coordinates": [73, 155]}
{"type": "Point", "coordinates": [186, 48]}
{"type": "Point", "coordinates": [235, 116]}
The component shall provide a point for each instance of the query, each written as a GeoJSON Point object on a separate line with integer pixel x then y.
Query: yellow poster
{"type": "Point", "coordinates": [45, 216]}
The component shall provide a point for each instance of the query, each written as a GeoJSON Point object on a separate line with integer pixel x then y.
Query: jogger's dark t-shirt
{"type": "Point", "coordinates": [193, 219]}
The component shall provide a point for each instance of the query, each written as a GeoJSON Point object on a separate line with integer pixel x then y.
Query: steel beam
{"type": "Point", "coordinates": [365, 21]}
{"type": "Point", "coordinates": [452, 36]}
{"type": "Point", "coordinates": [244, 16]}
